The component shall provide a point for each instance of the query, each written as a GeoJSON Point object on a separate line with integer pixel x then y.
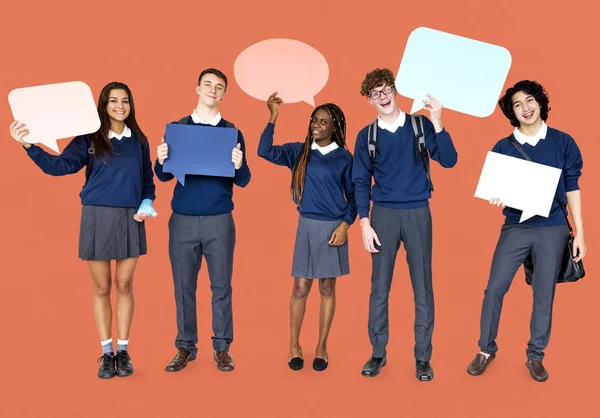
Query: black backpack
{"type": "Point", "coordinates": [419, 144]}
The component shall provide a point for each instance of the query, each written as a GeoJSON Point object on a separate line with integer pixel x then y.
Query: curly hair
{"type": "Point", "coordinates": [528, 87]}
{"type": "Point", "coordinates": [376, 78]}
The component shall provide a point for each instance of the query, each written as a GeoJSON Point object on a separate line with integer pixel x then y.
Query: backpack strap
{"type": "Point", "coordinates": [90, 160]}
{"type": "Point", "coordinates": [417, 123]}
{"type": "Point", "coordinates": [372, 141]}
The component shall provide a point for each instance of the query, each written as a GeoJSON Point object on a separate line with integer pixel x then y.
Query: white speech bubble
{"type": "Point", "coordinates": [55, 111]}
{"type": "Point", "coordinates": [463, 74]}
{"type": "Point", "coordinates": [519, 184]}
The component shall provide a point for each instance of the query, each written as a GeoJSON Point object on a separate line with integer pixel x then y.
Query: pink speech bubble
{"type": "Point", "coordinates": [55, 111]}
{"type": "Point", "coordinates": [294, 69]}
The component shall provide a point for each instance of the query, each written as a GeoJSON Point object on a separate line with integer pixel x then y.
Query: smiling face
{"type": "Point", "coordinates": [384, 99]}
{"type": "Point", "coordinates": [321, 127]}
{"type": "Point", "coordinates": [211, 90]}
{"type": "Point", "coordinates": [526, 108]}
{"type": "Point", "coordinates": [118, 107]}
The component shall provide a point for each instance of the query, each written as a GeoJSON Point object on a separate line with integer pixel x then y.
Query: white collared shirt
{"type": "Point", "coordinates": [531, 140]}
{"type": "Point", "coordinates": [326, 149]}
{"type": "Point", "coordinates": [126, 132]}
{"type": "Point", "coordinates": [214, 121]}
{"type": "Point", "coordinates": [392, 127]}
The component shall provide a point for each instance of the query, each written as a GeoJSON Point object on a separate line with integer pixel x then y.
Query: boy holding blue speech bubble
{"type": "Point", "coordinates": [202, 225]}
{"type": "Point", "coordinates": [117, 197]}
{"type": "Point", "coordinates": [541, 240]}
{"type": "Point", "coordinates": [395, 151]}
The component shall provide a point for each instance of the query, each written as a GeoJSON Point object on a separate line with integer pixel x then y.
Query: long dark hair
{"type": "Point", "coordinates": [102, 145]}
{"type": "Point", "coordinates": [338, 136]}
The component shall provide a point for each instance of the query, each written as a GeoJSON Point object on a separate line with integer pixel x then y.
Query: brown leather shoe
{"type": "Point", "coordinates": [537, 370]}
{"type": "Point", "coordinates": [224, 361]}
{"type": "Point", "coordinates": [479, 364]}
{"type": "Point", "coordinates": [180, 360]}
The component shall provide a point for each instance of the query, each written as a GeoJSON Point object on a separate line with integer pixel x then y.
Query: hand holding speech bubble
{"type": "Point", "coordinates": [55, 111]}
{"type": "Point", "coordinates": [199, 150]}
{"type": "Point", "coordinates": [463, 74]}
{"type": "Point", "coordinates": [294, 69]}
{"type": "Point", "coordinates": [519, 184]}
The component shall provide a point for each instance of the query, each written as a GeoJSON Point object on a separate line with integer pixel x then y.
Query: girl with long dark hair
{"type": "Point", "coordinates": [323, 190]}
{"type": "Point", "coordinates": [117, 197]}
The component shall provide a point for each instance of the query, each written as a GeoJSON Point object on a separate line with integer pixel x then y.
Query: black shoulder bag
{"type": "Point", "coordinates": [570, 270]}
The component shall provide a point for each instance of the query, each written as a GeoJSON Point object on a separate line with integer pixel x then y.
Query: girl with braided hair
{"type": "Point", "coordinates": [322, 189]}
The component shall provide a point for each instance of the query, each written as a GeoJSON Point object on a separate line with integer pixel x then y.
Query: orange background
{"type": "Point", "coordinates": [49, 341]}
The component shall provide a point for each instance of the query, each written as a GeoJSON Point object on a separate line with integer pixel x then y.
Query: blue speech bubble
{"type": "Point", "coordinates": [463, 74]}
{"type": "Point", "coordinates": [201, 150]}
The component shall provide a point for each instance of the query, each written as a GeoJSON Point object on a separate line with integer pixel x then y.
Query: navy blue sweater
{"type": "Point", "coordinates": [206, 195]}
{"type": "Point", "coordinates": [399, 181]}
{"type": "Point", "coordinates": [558, 150]}
{"type": "Point", "coordinates": [328, 178]}
{"type": "Point", "coordinates": [120, 182]}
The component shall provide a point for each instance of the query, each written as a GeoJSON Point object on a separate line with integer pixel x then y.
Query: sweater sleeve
{"type": "Point", "coordinates": [440, 145]}
{"type": "Point", "coordinates": [349, 192]}
{"type": "Point", "coordinates": [362, 172]}
{"type": "Point", "coordinates": [242, 175]}
{"type": "Point", "coordinates": [73, 158]}
{"type": "Point", "coordinates": [284, 155]}
{"type": "Point", "coordinates": [573, 165]}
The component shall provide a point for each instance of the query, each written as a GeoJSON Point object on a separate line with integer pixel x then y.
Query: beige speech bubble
{"type": "Point", "coordinates": [294, 69]}
{"type": "Point", "coordinates": [55, 111]}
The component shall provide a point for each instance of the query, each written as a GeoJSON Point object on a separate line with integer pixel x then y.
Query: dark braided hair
{"type": "Point", "coordinates": [338, 136]}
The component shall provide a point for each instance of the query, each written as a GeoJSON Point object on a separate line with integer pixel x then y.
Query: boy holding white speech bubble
{"type": "Point", "coordinates": [202, 225]}
{"type": "Point", "coordinates": [526, 106]}
{"type": "Point", "coordinates": [398, 161]}
{"type": "Point", "coordinates": [117, 197]}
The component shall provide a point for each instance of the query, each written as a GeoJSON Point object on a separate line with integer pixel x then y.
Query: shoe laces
{"type": "Point", "coordinates": [122, 359]}
{"type": "Point", "coordinates": [107, 361]}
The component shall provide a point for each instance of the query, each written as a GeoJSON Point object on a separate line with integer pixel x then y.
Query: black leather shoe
{"type": "Point", "coordinates": [320, 364]}
{"type": "Point", "coordinates": [123, 364]}
{"type": "Point", "coordinates": [479, 364]}
{"type": "Point", "coordinates": [296, 363]}
{"type": "Point", "coordinates": [373, 366]}
{"type": "Point", "coordinates": [537, 370]}
{"type": "Point", "coordinates": [424, 371]}
{"type": "Point", "coordinates": [107, 366]}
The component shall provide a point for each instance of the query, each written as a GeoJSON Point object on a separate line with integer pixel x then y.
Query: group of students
{"type": "Point", "coordinates": [330, 187]}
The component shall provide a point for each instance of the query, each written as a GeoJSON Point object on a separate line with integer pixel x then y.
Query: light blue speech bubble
{"type": "Point", "coordinates": [463, 74]}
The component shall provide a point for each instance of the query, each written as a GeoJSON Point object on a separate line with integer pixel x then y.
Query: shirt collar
{"type": "Point", "coordinates": [324, 150]}
{"type": "Point", "coordinates": [214, 121]}
{"type": "Point", "coordinates": [531, 140]}
{"type": "Point", "coordinates": [392, 127]}
{"type": "Point", "coordinates": [126, 132]}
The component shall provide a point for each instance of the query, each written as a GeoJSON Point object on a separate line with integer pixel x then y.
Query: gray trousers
{"type": "Point", "coordinates": [413, 228]}
{"type": "Point", "coordinates": [547, 245]}
{"type": "Point", "coordinates": [190, 238]}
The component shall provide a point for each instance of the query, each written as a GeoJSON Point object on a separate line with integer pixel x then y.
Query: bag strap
{"type": "Point", "coordinates": [372, 141]}
{"type": "Point", "coordinates": [419, 145]}
{"type": "Point", "coordinates": [90, 160]}
{"type": "Point", "coordinates": [524, 154]}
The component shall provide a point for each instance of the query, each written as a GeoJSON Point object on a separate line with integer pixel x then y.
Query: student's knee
{"type": "Point", "coordinates": [327, 288]}
{"type": "Point", "coordinates": [301, 289]}
{"type": "Point", "coordinates": [124, 286]}
{"type": "Point", "coordinates": [102, 289]}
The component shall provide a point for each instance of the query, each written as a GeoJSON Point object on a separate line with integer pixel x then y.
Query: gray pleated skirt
{"type": "Point", "coordinates": [109, 233]}
{"type": "Point", "coordinates": [314, 258]}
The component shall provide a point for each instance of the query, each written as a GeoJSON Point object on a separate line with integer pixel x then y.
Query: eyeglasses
{"type": "Point", "coordinates": [376, 93]}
